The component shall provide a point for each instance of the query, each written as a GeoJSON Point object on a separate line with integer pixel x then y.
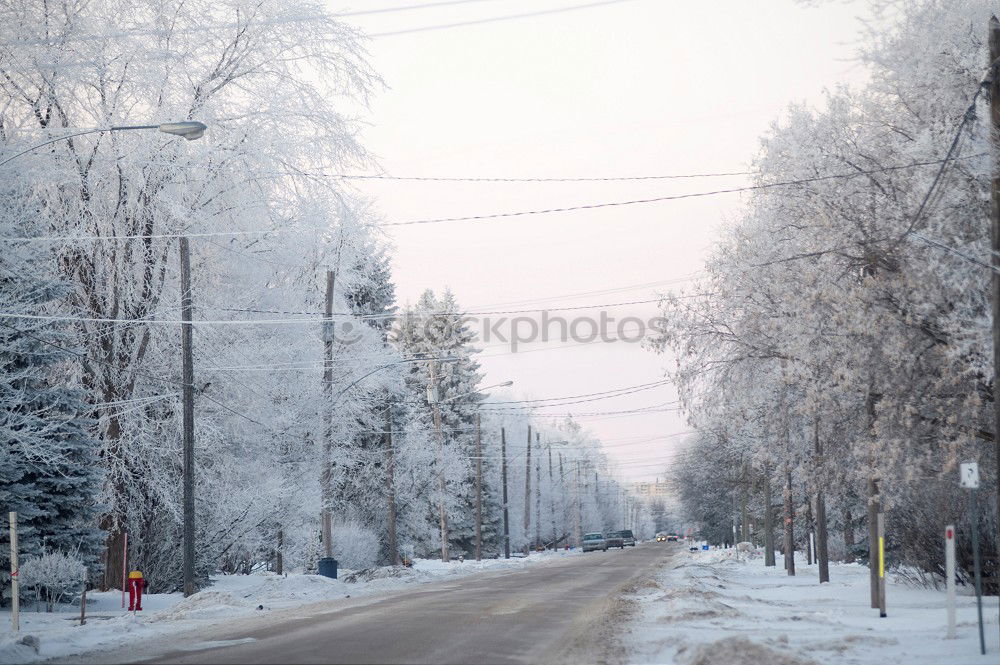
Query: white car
{"type": "Point", "coordinates": [594, 541]}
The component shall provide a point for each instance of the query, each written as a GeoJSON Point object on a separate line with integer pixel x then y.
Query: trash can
{"type": "Point", "coordinates": [328, 567]}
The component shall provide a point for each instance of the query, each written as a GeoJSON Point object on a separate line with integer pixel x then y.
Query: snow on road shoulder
{"type": "Point", "coordinates": [230, 598]}
{"type": "Point", "coordinates": [710, 607]}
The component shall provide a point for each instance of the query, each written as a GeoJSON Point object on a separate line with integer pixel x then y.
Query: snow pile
{"type": "Point", "coordinates": [721, 606]}
{"type": "Point", "coordinates": [47, 635]}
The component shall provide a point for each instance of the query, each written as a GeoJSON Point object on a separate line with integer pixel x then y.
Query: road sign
{"type": "Point", "coordinates": [970, 475]}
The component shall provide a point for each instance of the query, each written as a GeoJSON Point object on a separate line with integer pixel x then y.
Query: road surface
{"type": "Point", "coordinates": [566, 610]}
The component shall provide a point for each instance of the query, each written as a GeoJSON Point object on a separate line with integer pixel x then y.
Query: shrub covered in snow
{"type": "Point", "coordinates": [355, 546]}
{"type": "Point", "coordinates": [53, 575]}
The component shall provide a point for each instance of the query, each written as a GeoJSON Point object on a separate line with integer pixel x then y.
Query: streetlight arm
{"type": "Point", "coordinates": [190, 130]}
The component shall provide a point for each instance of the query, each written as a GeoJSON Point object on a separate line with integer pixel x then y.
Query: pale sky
{"type": "Point", "coordinates": [640, 87]}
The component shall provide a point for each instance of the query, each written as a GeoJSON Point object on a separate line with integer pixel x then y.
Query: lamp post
{"type": "Point", "coordinates": [189, 130]}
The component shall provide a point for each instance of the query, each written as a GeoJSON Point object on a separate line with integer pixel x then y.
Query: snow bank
{"type": "Point", "coordinates": [57, 634]}
{"type": "Point", "coordinates": [723, 606]}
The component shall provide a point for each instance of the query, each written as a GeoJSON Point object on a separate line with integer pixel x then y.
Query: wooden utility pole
{"type": "Point", "coordinates": [506, 512]}
{"type": "Point", "coordinates": [187, 396]}
{"type": "Point", "coordinates": [809, 533]}
{"type": "Point", "coordinates": [442, 488]}
{"type": "Point", "coordinates": [390, 481]}
{"type": "Point", "coordinates": [744, 491]}
{"type": "Point", "coordinates": [562, 493]}
{"type": "Point", "coordinates": [326, 473]}
{"type": "Point", "coordinates": [579, 518]}
{"type": "Point", "coordinates": [552, 499]}
{"type": "Point", "coordinates": [527, 494]}
{"type": "Point", "coordinates": [768, 519]}
{"type": "Point", "coordinates": [789, 524]}
{"type": "Point", "coordinates": [994, 91]}
{"type": "Point", "coordinates": [538, 490]}
{"type": "Point", "coordinates": [822, 551]}
{"type": "Point", "coordinates": [479, 490]}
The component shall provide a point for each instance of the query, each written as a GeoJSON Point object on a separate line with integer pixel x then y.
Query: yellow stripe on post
{"type": "Point", "coordinates": [881, 557]}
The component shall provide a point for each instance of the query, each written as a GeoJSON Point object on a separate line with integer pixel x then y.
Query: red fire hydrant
{"type": "Point", "coordinates": [135, 585]}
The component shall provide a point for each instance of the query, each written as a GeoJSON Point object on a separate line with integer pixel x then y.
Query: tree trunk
{"type": "Point", "coordinates": [768, 519]}
{"type": "Point", "coordinates": [789, 521]}
{"type": "Point", "coordinates": [848, 536]}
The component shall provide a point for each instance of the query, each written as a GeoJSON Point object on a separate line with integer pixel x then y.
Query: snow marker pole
{"type": "Point", "coordinates": [124, 566]}
{"type": "Point", "coordinates": [881, 565]}
{"type": "Point", "coordinates": [949, 567]}
{"type": "Point", "coordinates": [14, 585]}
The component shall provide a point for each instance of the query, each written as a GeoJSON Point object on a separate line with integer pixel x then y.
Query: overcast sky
{"type": "Point", "coordinates": [630, 88]}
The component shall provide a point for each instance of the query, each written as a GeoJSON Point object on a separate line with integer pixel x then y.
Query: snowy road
{"type": "Point", "coordinates": [563, 611]}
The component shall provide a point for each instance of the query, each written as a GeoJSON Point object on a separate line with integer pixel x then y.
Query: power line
{"type": "Point", "coordinates": [351, 176]}
{"type": "Point", "coordinates": [406, 8]}
{"type": "Point", "coordinates": [675, 197]}
{"type": "Point", "coordinates": [495, 19]}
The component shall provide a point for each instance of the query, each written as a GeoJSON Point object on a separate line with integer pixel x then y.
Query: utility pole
{"type": "Point", "coordinates": [15, 597]}
{"type": "Point", "coordinates": [789, 524]}
{"type": "Point", "coordinates": [527, 494]}
{"type": "Point", "coordinates": [552, 499]}
{"type": "Point", "coordinates": [994, 92]}
{"type": "Point", "coordinates": [506, 512]}
{"type": "Point", "coordinates": [187, 396]}
{"type": "Point", "coordinates": [822, 551]}
{"type": "Point", "coordinates": [479, 490]}
{"type": "Point", "coordinates": [391, 488]}
{"type": "Point", "coordinates": [744, 520]}
{"type": "Point", "coordinates": [768, 518]}
{"type": "Point", "coordinates": [538, 490]}
{"type": "Point", "coordinates": [579, 526]}
{"type": "Point", "coordinates": [326, 475]}
{"type": "Point", "coordinates": [562, 493]}
{"type": "Point", "coordinates": [435, 405]}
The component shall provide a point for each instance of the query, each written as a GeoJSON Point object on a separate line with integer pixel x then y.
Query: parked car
{"type": "Point", "coordinates": [594, 541]}
{"type": "Point", "coordinates": [627, 537]}
{"type": "Point", "coordinates": [673, 537]}
{"type": "Point", "coordinates": [614, 539]}
{"type": "Point", "coordinates": [661, 537]}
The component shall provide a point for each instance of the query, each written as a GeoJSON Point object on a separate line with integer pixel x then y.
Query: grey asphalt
{"type": "Point", "coordinates": [562, 611]}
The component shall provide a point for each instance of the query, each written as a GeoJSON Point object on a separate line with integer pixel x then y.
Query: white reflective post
{"type": "Point", "coordinates": [949, 574]}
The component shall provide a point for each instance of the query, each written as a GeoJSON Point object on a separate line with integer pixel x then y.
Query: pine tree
{"type": "Point", "coordinates": [49, 471]}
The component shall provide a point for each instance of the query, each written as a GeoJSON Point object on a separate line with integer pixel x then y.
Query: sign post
{"type": "Point", "coordinates": [970, 480]}
{"type": "Point", "coordinates": [949, 573]}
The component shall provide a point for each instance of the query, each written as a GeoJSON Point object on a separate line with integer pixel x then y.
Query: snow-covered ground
{"type": "Point", "coordinates": [710, 608]}
{"type": "Point", "coordinates": [230, 598]}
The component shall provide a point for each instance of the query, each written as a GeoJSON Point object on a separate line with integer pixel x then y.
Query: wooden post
{"type": "Point", "coordinates": [279, 559]}
{"type": "Point", "coordinates": [552, 499]}
{"type": "Point", "coordinates": [15, 587]}
{"type": "Point", "coordinates": [83, 600]}
{"type": "Point", "coordinates": [506, 512]}
{"type": "Point", "coordinates": [579, 518]}
{"type": "Point", "coordinates": [187, 393]}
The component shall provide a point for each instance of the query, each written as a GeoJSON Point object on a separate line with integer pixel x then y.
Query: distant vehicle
{"type": "Point", "coordinates": [673, 537]}
{"type": "Point", "coordinates": [614, 539]}
{"type": "Point", "coordinates": [661, 537]}
{"type": "Point", "coordinates": [627, 537]}
{"type": "Point", "coordinates": [594, 541]}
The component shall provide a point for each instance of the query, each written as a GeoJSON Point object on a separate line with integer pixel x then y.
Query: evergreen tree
{"type": "Point", "coordinates": [49, 471]}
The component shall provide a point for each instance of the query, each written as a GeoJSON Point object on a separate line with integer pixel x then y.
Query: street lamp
{"type": "Point", "coordinates": [189, 129]}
